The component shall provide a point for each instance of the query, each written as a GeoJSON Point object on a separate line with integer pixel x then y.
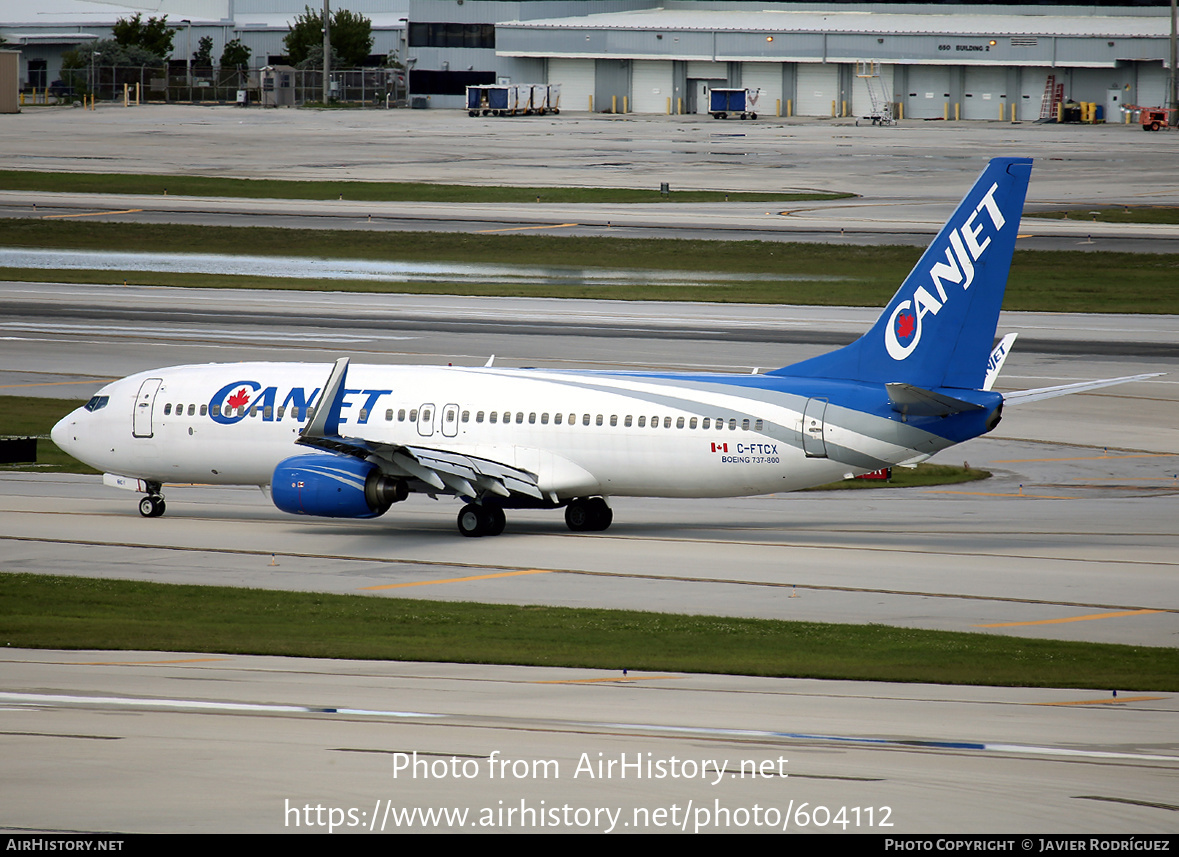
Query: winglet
{"type": "Point", "coordinates": [326, 420]}
{"type": "Point", "coordinates": [998, 358]}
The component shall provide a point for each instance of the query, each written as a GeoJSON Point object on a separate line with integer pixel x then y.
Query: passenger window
{"type": "Point", "coordinates": [192, 410]}
{"type": "Point", "coordinates": [479, 417]}
{"type": "Point", "coordinates": [466, 416]}
{"type": "Point", "coordinates": [667, 422]}
{"type": "Point", "coordinates": [679, 423]}
{"type": "Point", "coordinates": [267, 412]}
{"type": "Point", "coordinates": [557, 418]}
{"type": "Point", "coordinates": [204, 410]}
{"type": "Point", "coordinates": [363, 414]}
{"type": "Point", "coordinates": [613, 419]}
{"type": "Point", "coordinates": [449, 416]}
{"type": "Point", "coordinates": [757, 426]}
{"type": "Point", "coordinates": [706, 423]}
{"type": "Point", "coordinates": [744, 425]}
{"type": "Point", "coordinates": [544, 419]}
{"type": "Point", "coordinates": [427, 415]}
{"type": "Point", "coordinates": [388, 415]}
{"type": "Point", "coordinates": [413, 415]}
{"type": "Point", "coordinates": [732, 424]}
{"type": "Point", "coordinates": [531, 419]}
{"type": "Point", "coordinates": [599, 420]}
{"type": "Point", "coordinates": [401, 415]}
{"type": "Point", "coordinates": [215, 410]}
{"type": "Point", "coordinates": [168, 409]}
{"type": "Point", "coordinates": [692, 424]}
{"type": "Point", "coordinates": [585, 419]}
{"type": "Point", "coordinates": [627, 421]}
{"type": "Point", "coordinates": [492, 419]}
{"type": "Point", "coordinates": [519, 417]}
{"type": "Point", "coordinates": [642, 422]}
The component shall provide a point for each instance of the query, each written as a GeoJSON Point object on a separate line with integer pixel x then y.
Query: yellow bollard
{"type": "Point", "coordinates": [900, 110]}
{"type": "Point", "coordinates": [778, 107]}
{"type": "Point", "coordinates": [679, 106]}
{"type": "Point", "coordinates": [832, 108]}
{"type": "Point", "coordinates": [957, 109]}
{"type": "Point", "coordinates": [613, 103]}
{"type": "Point", "coordinates": [126, 95]}
{"type": "Point", "coordinates": [844, 108]}
{"type": "Point", "coordinates": [1001, 111]}
{"type": "Point", "coordinates": [669, 105]}
{"type": "Point", "coordinates": [624, 107]}
{"type": "Point", "coordinates": [591, 107]}
{"type": "Point", "coordinates": [789, 108]}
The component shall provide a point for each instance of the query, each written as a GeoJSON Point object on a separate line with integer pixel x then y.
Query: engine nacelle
{"type": "Point", "coordinates": [334, 486]}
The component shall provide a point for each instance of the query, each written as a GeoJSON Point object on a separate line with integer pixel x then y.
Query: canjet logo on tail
{"type": "Point", "coordinates": [903, 331]}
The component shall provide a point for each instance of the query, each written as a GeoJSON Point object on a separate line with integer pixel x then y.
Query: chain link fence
{"type": "Point", "coordinates": [369, 87]}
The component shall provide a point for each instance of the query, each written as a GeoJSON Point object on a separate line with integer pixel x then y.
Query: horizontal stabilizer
{"type": "Point", "coordinates": [916, 402]}
{"type": "Point", "coordinates": [1024, 396]}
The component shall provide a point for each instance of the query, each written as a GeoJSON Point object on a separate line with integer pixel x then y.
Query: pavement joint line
{"type": "Point", "coordinates": [607, 574]}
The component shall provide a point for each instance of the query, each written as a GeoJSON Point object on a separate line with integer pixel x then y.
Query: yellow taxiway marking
{"type": "Point", "coordinates": [1085, 458]}
{"type": "Point", "coordinates": [993, 494]}
{"type": "Point", "coordinates": [614, 679]}
{"type": "Point", "coordinates": [93, 213]}
{"type": "Point", "coordinates": [459, 579]}
{"type": "Point", "coordinates": [1072, 619]}
{"type": "Point", "coordinates": [521, 228]}
{"type": "Point", "coordinates": [150, 663]}
{"type": "Point", "coordinates": [1107, 701]}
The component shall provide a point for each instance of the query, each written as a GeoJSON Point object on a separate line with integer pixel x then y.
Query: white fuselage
{"type": "Point", "coordinates": [579, 433]}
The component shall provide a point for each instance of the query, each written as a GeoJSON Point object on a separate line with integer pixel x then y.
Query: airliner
{"type": "Point", "coordinates": [350, 440]}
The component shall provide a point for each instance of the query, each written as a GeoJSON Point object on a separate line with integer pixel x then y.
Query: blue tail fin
{"type": "Point", "coordinates": [939, 328]}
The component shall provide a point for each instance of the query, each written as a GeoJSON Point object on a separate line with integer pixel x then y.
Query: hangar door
{"type": "Point", "coordinates": [576, 77]}
{"type": "Point", "coordinates": [929, 92]}
{"type": "Point", "coordinates": [817, 87]}
{"type": "Point", "coordinates": [984, 92]}
{"type": "Point", "coordinates": [651, 86]}
{"type": "Point", "coordinates": [1031, 94]}
{"type": "Point", "coordinates": [766, 76]}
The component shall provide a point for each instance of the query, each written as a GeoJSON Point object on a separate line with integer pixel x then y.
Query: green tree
{"type": "Point", "coordinates": [351, 34]}
{"type": "Point", "coordinates": [203, 58]}
{"type": "Point", "coordinates": [235, 55]}
{"type": "Point", "coordinates": [153, 35]}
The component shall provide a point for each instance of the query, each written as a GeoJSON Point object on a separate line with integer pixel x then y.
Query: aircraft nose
{"type": "Point", "coordinates": [62, 433]}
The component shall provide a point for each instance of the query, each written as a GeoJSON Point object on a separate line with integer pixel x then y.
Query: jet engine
{"type": "Point", "coordinates": [334, 486]}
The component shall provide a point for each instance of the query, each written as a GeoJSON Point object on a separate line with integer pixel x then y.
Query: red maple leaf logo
{"type": "Point", "coordinates": [905, 324]}
{"type": "Point", "coordinates": [239, 398]}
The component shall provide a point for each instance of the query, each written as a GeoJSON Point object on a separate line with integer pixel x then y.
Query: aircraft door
{"type": "Point", "coordinates": [450, 420]}
{"type": "Point", "coordinates": [141, 423]}
{"type": "Point", "coordinates": [813, 428]}
{"type": "Point", "coordinates": [426, 420]}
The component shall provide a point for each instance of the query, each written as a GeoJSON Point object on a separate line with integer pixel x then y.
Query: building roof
{"type": "Point", "coordinates": [881, 23]}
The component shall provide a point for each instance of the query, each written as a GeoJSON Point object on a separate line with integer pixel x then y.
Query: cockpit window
{"type": "Point", "coordinates": [97, 403]}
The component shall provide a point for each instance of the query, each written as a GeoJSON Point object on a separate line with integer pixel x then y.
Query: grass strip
{"type": "Point", "coordinates": [922, 476]}
{"type": "Point", "coordinates": [1041, 280]}
{"type": "Point", "coordinates": [41, 611]}
{"type": "Point", "coordinates": [32, 416]}
{"type": "Point", "coordinates": [1116, 214]}
{"type": "Point", "coordinates": [391, 191]}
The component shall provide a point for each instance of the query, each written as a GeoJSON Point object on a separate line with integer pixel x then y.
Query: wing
{"type": "Point", "coordinates": [443, 470]}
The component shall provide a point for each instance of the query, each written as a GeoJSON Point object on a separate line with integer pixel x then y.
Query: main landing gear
{"type": "Point", "coordinates": [152, 506]}
{"type": "Point", "coordinates": [588, 514]}
{"type": "Point", "coordinates": [582, 515]}
{"type": "Point", "coordinates": [475, 519]}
